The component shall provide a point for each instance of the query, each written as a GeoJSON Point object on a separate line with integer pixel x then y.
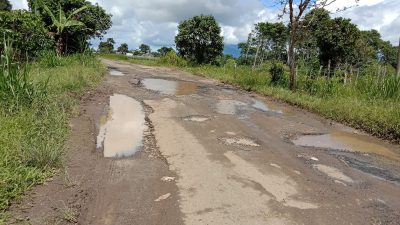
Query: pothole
{"type": "Point", "coordinates": [121, 131]}
{"type": "Point", "coordinates": [240, 141]}
{"type": "Point", "coordinates": [114, 72]}
{"type": "Point", "coordinates": [196, 118]}
{"type": "Point", "coordinates": [347, 142]}
{"type": "Point", "coordinates": [169, 87]}
{"type": "Point", "coordinates": [333, 173]}
{"type": "Point", "coordinates": [259, 105]}
{"type": "Point", "coordinates": [229, 107]}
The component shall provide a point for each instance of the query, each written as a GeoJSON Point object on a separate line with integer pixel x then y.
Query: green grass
{"type": "Point", "coordinates": [368, 103]}
{"type": "Point", "coordinates": [32, 138]}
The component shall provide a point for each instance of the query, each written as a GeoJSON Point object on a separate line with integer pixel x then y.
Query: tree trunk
{"type": "Point", "coordinates": [292, 60]}
{"type": "Point", "coordinates": [248, 46]}
{"type": "Point", "coordinates": [398, 61]}
{"type": "Point", "coordinates": [258, 51]}
{"type": "Point", "coordinates": [60, 45]}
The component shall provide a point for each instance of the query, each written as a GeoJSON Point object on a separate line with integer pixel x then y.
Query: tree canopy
{"type": "Point", "coordinates": [94, 17]}
{"type": "Point", "coordinates": [5, 5]}
{"type": "Point", "coordinates": [123, 48]}
{"type": "Point", "coordinates": [199, 39]}
{"type": "Point", "coordinates": [144, 49]}
{"type": "Point", "coordinates": [26, 31]}
{"type": "Point", "coordinates": [107, 46]}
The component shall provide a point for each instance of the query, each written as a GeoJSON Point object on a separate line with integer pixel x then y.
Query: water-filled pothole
{"type": "Point", "coordinates": [114, 72]}
{"type": "Point", "coordinates": [121, 131]}
{"type": "Point", "coordinates": [347, 142]}
{"type": "Point", "coordinates": [169, 87]}
{"type": "Point", "coordinates": [229, 107]}
{"type": "Point", "coordinates": [264, 107]}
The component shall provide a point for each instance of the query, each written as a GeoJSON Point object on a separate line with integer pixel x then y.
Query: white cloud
{"type": "Point", "coordinates": [155, 21]}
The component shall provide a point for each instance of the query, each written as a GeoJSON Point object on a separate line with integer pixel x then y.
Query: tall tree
{"type": "Point", "coordinates": [5, 5]}
{"type": "Point", "coordinates": [199, 39]}
{"type": "Point", "coordinates": [296, 11]}
{"type": "Point", "coordinates": [107, 46]}
{"type": "Point", "coordinates": [398, 60]}
{"type": "Point", "coordinates": [164, 50]}
{"type": "Point", "coordinates": [63, 24]}
{"type": "Point", "coordinates": [97, 21]}
{"type": "Point", "coordinates": [145, 49]}
{"type": "Point", "coordinates": [123, 48]}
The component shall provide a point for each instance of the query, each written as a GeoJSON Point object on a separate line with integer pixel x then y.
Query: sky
{"type": "Point", "coordinates": [154, 22]}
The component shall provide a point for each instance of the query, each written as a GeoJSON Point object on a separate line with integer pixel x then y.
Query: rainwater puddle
{"type": "Point", "coordinates": [346, 141]}
{"type": "Point", "coordinates": [114, 72]}
{"type": "Point", "coordinates": [121, 131]}
{"type": "Point", "coordinates": [333, 173]}
{"type": "Point", "coordinates": [229, 107]}
{"type": "Point", "coordinates": [169, 87]}
{"type": "Point", "coordinates": [264, 107]}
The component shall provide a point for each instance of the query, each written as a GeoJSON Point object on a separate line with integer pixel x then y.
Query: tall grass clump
{"type": "Point", "coordinates": [16, 89]}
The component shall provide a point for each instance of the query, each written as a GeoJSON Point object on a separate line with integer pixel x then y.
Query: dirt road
{"type": "Point", "coordinates": [159, 146]}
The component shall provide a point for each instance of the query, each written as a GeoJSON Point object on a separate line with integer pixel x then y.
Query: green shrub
{"type": "Point", "coordinates": [277, 71]}
{"type": "Point", "coordinates": [171, 58]}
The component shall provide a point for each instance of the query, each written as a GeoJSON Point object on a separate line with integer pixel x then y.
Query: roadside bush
{"type": "Point", "coordinates": [277, 71]}
{"type": "Point", "coordinates": [171, 58]}
{"type": "Point", "coordinates": [27, 31]}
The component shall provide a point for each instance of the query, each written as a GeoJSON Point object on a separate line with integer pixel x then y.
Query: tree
{"type": "Point", "coordinates": [164, 50]}
{"type": "Point", "coordinates": [398, 60]}
{"type": "Point", "coordinates": [199, 40]}
{"type": "Point", "coordinates": [107, 47]}
{"type": "Point", "coordinates": [95, 18]}
{"type": "Point", "coordinates": [144, 49]}
{"type": "Point", "coordinates": [27, 32]}
{"type": "Point", "coordinates": [63, 24]}
{"type": "Point", "coordinates": [123, 48]}
{"type": "Point", "coordinates": [5, 5]}
{"type": "Point", "coordinates": [295, 17]}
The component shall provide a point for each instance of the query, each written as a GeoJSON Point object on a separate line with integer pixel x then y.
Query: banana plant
{"type": "Point", "coordinates": [63, 23]}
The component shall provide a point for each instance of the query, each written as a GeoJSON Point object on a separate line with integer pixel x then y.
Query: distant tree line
{"type": "Point", "coordinates": [323, 42]}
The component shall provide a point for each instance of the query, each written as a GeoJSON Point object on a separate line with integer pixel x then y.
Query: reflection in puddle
{"type": "Point", "coordinates": [346, 141]}
{"type": "Point", "coordinates": [121, 131]}
{"type": "Point", "coordinates": [170, 87]}
{"type": "Point", "coordinates": [264, 107]}
{"type": "Point", "coordinates": [229, 107]}
{"type": "Point", "coordinates": [116, 73]}
{"type": "Point", "coordinates": [333, 173]}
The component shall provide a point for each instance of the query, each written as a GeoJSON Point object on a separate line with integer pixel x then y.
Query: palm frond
{"type": "Point", "coordinates": [77, 11]}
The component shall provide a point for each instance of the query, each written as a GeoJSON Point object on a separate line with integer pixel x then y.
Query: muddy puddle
{"type": "Point", "coordinates": [347, 142]}
{"type": "Point", "coordinates": [121, 131]}
{"type": "Point", "coordinates": [169, 87]}
{"type": "Point", "coordinates": [229, 107]}
{"type": "Point", "coordinates": [262, 106]}
{"type": "Point", "coordinates": [114, 72]}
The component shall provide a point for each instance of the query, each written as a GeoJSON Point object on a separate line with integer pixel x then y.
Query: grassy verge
{"type": "Point", "coordinates": [369, 103]}
{"type": "Point", "coordinates": [32, 138]}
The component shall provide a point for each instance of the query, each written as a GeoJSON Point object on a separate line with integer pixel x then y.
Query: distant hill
{"type": "Point", "coordinates": [232, 50]}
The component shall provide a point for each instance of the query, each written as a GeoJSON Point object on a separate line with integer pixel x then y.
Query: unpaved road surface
{"type": "Point", "coordinates": [182, 149]}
